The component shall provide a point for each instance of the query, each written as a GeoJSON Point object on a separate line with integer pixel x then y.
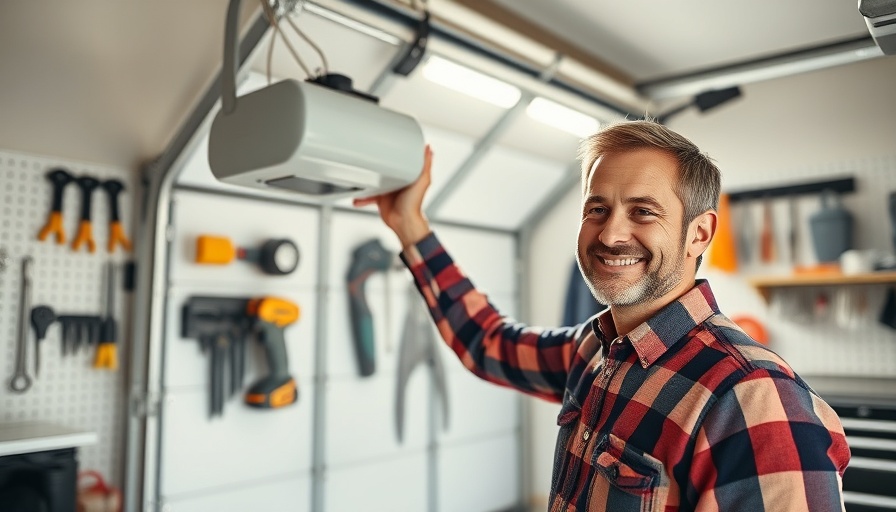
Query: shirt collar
{"type": "Point", "coordinates": [654, 337]}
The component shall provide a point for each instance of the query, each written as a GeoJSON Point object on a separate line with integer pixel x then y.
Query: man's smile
{"type": "Point", "coordinates": [620, 262]}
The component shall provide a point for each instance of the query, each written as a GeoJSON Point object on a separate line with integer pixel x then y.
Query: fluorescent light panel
{"type": "Point", "coordinates": [561, 117]}
{"type": "Point", "coordinates": [472, 83]}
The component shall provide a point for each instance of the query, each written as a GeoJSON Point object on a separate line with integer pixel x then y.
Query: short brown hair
{"type": "Point", "coordinates": [699, 180]}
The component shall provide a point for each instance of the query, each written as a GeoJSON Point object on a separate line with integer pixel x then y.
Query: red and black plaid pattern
{"type": "Point", "coordinates": [685, 412]}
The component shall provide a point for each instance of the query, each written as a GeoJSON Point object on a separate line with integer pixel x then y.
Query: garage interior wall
{"type": "Point", "coordinates": [842, 121]}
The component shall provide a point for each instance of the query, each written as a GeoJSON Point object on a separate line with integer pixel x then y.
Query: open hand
{"type": "Point", "coordinates": [402, 209]}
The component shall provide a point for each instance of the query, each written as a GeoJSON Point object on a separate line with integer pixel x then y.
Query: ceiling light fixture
{"type": "Point", "coordinates": [561, 117]}
{"type": "Point", "coordinates": [472, 83]}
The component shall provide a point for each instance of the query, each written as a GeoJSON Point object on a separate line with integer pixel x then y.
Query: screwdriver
{"type": "Point", "coordinates": [106, 354]}
{"type": "Point", "coordinates": [41, 319]}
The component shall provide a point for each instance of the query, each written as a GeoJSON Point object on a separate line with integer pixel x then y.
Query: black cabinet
{"type": "Point", "coordinates": [39, 481]}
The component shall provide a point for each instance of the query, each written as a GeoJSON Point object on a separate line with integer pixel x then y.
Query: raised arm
{"type": "Point", "coordinates": [535, 361]}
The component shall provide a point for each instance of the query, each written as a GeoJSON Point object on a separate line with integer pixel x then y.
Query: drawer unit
{"type": "Point", "coordinates": [869, 484]}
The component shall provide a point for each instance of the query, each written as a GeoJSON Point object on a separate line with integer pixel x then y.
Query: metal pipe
{"type": "Point", "coordinates": [318, 435]}
{"type": "Point", "coordinates": [141, 475]}
{"type": "Point", "coordinates": [406, 18]}
{"type": "Point", "coordinates": [776, 66]}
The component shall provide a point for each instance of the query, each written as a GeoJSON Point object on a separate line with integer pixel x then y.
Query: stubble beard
{"type": "Point", "coordinates": [612, 291]}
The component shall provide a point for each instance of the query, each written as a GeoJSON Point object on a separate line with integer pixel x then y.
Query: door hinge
{"type": "Point", "coordinates": [146, 405]}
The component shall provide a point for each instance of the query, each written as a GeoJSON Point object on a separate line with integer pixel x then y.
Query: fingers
{"type": "Point", "coordinates": [423, 180]}
{"type": "Point", "coordinates": [364, 201]}
{"type": "Point", "coordinates": [427, 164]}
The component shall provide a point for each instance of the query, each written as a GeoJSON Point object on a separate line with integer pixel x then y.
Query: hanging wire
{"type": "Point", "coordinates": [272, 19]}
{"type": "Point", "coordinates": [270, 55]}
{"type": "Point", "coordinates": [323, 59]}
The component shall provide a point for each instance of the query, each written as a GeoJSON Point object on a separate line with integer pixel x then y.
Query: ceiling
{"type": "Point", "coordinates": [647, 39]}
{"type": "Point", "coordinates": [110, 83]}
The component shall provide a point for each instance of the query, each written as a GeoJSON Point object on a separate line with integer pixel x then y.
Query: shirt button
{"type": "Point", "coordinates": [586, 434]}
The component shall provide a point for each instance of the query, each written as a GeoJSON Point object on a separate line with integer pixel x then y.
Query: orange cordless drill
{"type": "Point", "coordinates": [271, 316]}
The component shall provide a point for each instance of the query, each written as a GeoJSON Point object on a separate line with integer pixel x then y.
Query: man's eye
{"type": "Point", "coordinates": [644, 212]}
{"type": "Point", "coordinates": [597, 210]}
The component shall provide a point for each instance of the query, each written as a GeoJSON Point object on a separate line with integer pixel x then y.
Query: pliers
{"type": "Point", "coordinates": [418, 346]}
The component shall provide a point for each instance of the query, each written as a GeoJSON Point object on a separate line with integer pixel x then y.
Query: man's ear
{"type": "Point", "coordinates": [701, 231]}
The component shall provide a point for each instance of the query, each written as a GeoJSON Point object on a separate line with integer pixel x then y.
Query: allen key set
{"type": "Point", "coordinates": [76, 330]}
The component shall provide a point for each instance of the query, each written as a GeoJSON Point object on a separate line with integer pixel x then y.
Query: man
{"type": "Point", "coordinates": [666, 404]}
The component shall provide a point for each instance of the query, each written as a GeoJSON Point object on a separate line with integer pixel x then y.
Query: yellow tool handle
{"type": "Point", "coordinates": [106, 357]}
{"type": "Point", "coordinates": [85, 235]}
{"type": "Point", "coordinates": [274, 310]}
{"type": "Point", "coordinates": [116, 235]}
{"type": "Point", "coordinates": [53, 226]}
{"type": "Point", "coordinates": [214, 250]}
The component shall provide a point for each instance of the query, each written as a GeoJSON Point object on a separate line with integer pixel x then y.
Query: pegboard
{"type": "Point", "coordinates": [68, 390]}
{"type": "Point", "coordinates": [819, 344]}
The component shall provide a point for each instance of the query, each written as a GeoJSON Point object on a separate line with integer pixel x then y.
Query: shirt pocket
{"type": "Point", "coordinates": [637, 480]}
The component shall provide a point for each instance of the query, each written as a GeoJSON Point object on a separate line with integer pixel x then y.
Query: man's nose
{"type": "Point", "coordinates": [616, 230]}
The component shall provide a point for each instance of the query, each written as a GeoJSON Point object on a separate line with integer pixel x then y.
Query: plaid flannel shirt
{"type": "Point", "coordinates": [685, 412]}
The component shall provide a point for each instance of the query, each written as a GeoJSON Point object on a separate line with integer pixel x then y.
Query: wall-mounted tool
{"type": "Point", "coordinates": [275, 256]}
{"type": "Point", "coordinates": [722, 252]}
{"type": "Point", "coordinates": [85, 230]}
{"type": "Point", "coordinates": [78, 330]}
{"type": "Point", "coordinates": [21, 381]}
{"type": "Point", "coordinates": [418, 347]}
{"type": "Point", "coordinates": [367, 258]}
{"type": "Point", "coordinates": [831, 228]}
{"type": "Point", "coordinates": [106, 351]}
{"type": "Point", "coordinates": [42, 317]}
{"type": "Point", "coordinates": [891, 208]}
{"type": "Point", "coordinates": [113, 189]}
{"type": "Point", "coordinates": [767, 251]}
{"type": "Point", "coordinates": [220, 324]}
{"type": "Point", "coordinates": [793, 233]}
{"type": "Point", "coordinates": [271, 316]}
{"type": "Point", "coordinates": [59, 179]}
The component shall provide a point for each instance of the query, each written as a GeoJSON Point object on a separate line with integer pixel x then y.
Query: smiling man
{"type": "Point", "coordinates": [666, 404]}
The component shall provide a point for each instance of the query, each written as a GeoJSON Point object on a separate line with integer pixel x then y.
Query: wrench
{"type": "Point", "coordinates": [20, 380]}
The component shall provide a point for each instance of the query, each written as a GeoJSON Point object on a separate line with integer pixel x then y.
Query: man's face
{"type": "Point", "coordinates": [631, 246]}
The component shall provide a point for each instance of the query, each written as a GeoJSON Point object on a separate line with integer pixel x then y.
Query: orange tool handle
{"type": "Point", "coordinates": [60, 179]}
{"type": "Point", "coordinates": [722, 253]}
{"type": "Point", "coordinates": [114, 188]}
{"type": "Point", "coordinates": [214, 250]}
{"type": "Point", "coordinates": [273, 310]}
{"type": "Point", "coordinates": [85, 232]}
{"type": "Point", "coordinates": [106, 356]}
{"type": "Point", "coordinates": [85, 235]}
{"type": "Point", "coordinates": [116, 235]}
{"type": "Point", "coordinates": [53, 227]}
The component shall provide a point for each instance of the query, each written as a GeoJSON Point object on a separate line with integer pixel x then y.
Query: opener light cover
{"type": "Point", "coordinates": [310, 139]}
{"type": "Point", "coordinates": [880, 17]}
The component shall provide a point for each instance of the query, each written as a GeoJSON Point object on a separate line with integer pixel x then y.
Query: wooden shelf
{"type": "Point", "coordinates": [766, 284]}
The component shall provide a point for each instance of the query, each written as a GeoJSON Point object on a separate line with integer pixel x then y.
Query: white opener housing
{"type": "Point", "coordinates": [307, 138]}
